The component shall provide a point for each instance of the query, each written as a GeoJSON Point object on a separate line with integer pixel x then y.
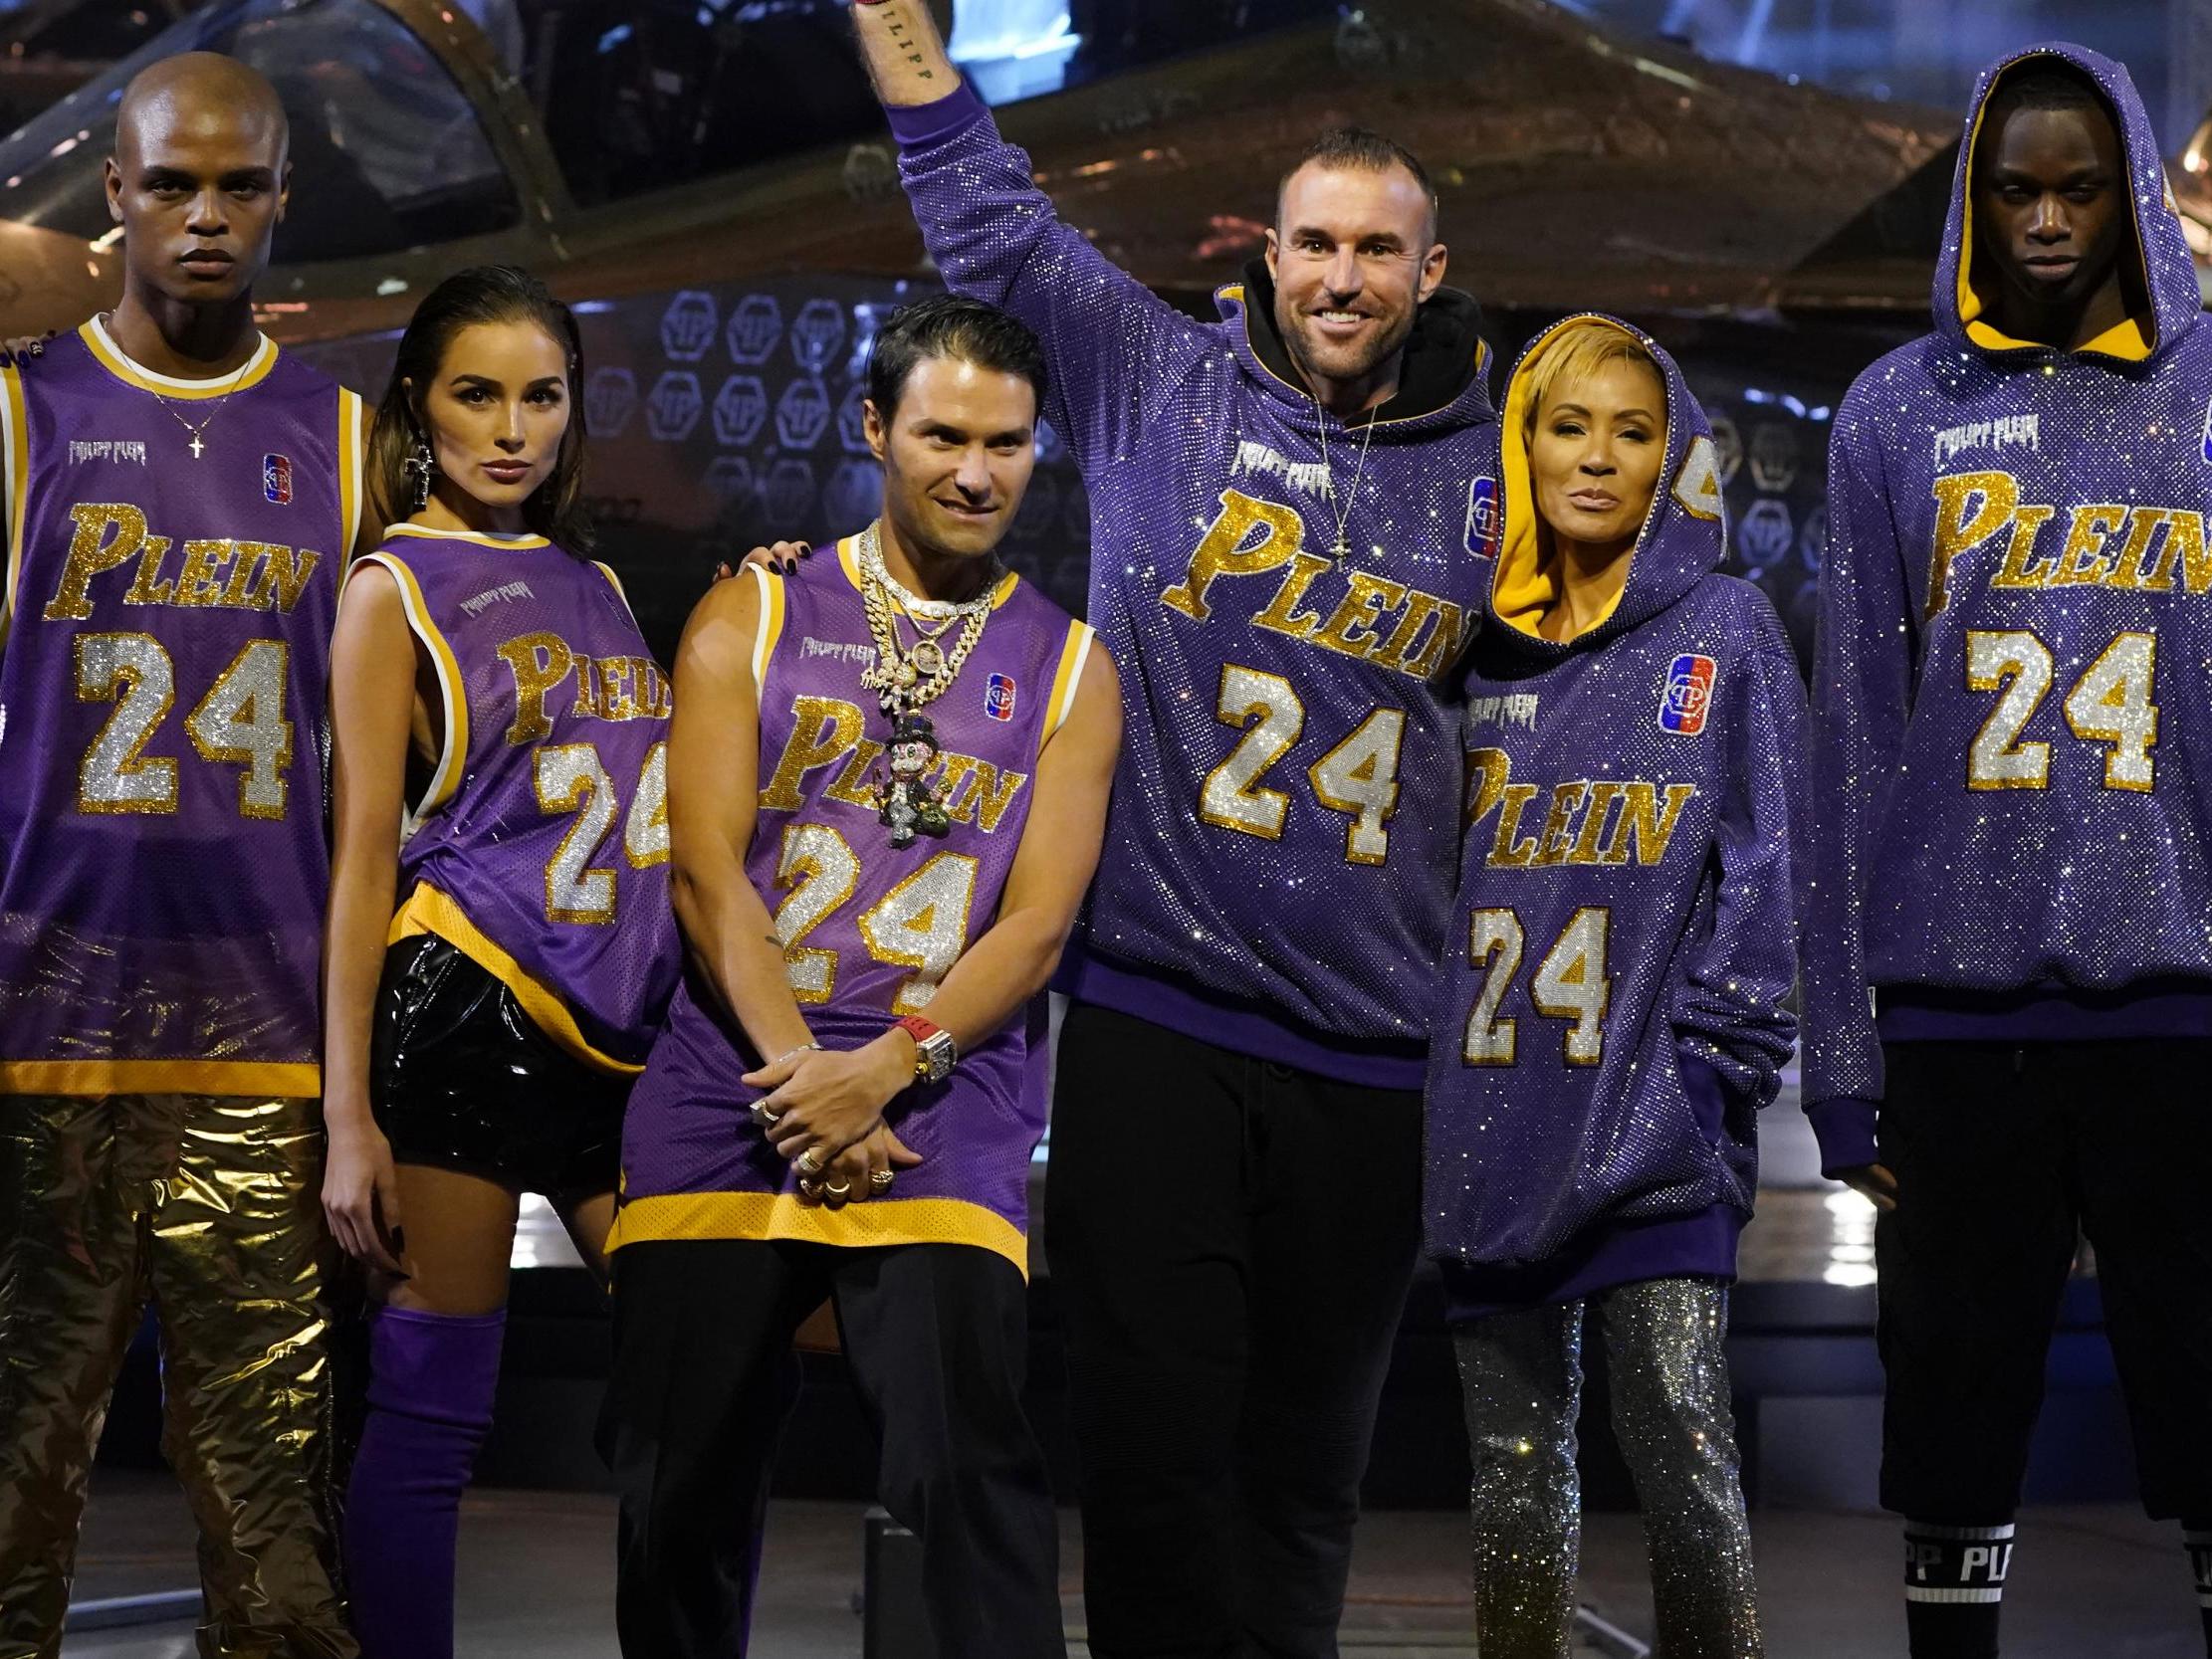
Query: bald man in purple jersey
{"type": "Point", "coordinates": [180, 497]}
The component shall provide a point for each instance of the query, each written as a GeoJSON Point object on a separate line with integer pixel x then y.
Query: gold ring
{"type": "Point", "coordinates": [811, 1160]}
{"type": "Point", "coordinates": [810, 1190]}
{"type": "Point", "coordinates": [880, 1180]}
{"type": "Point", "coordinates": [838, 1190]}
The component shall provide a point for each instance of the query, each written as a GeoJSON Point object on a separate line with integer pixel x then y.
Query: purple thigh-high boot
{"type": "Point", "coordinates": [430, 1388]}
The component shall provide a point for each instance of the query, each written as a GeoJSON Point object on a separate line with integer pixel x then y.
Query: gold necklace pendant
{"type": "Point", "coordinates": [927, 657]}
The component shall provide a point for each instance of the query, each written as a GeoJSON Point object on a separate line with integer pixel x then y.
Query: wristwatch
{"type": "Point", "coordinates": [933, 1052]}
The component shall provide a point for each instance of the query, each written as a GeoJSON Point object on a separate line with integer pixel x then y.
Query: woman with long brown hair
{"type": "Point", "coordinates": [500, 941]}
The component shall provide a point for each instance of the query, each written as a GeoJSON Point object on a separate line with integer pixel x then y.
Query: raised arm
{"type": "Point", "coordinates": [996, 235]}
{"type": "Point", "coordinates": [1733, 1012]}
{"type": "Point", "coordinates": [1861, 675]}
{"type": "Point", "coordinates": [372, 700]}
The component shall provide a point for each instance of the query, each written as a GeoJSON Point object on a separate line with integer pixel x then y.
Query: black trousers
{"type": "Point", "coordinates": [936, 1335]}
{"type": "Point", "coordinates": [1231, 1244]}
{"type": "Point", "coordinates": [2002, 1153]}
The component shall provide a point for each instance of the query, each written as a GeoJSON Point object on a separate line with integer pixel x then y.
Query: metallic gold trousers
{"type": "Point", "coordinates": [211, 1206]}
{"type": "Point", "coordinates": [1521, 1374]}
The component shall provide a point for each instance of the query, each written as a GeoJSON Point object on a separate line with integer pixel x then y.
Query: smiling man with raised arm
{"type": "Point", "coordinates": [1281, 510]}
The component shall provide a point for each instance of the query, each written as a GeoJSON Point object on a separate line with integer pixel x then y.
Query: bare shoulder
{"type": "Point", "coordinates": [718, 635]}
{"type": "Point", "coordinates": [370, 593]}
{"type": "Point", "coordinates": [1093, 720]}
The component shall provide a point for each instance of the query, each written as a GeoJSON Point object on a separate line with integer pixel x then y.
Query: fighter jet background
{"type": "Point", "coordinates": [711, 185]}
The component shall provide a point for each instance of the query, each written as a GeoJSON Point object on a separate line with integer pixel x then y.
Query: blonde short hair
{"type": "Point", "coordinates": [1574, 355]}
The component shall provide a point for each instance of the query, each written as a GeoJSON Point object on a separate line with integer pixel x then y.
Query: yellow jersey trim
{"type": "Point", "coordinates": [15, 477]}
{"type": "Point", "coordinates": [102, 346]}
{"type": "Point", "coordinates": [248, 1079]}
{"type": "Point", "coordinates": [767, 629]}
{"type": "Point", "coordinates": [427, 911]}
{"type": "Point", "coordinates": [779, 1215]}
{"type": "Point", "coordinates": [352, 458]}
{"type": "Point", "coordinates": [452, 691]}
{"type": "Point", "coordinates": [520, 540]}
{"type": "Point", "coordinates": [1067, 679]}
{"type": "Point", "coordinates": [848, 560]}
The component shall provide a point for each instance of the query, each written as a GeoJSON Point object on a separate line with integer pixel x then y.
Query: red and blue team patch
{"type": "Point", "coordinates": [998, 693]}
{"type": "Point", "coordinates": [1482, 517]}
{"type": "Point", "coordinates": [1688, 697]}
{"type": "Point", "coordinates": [276, 479]}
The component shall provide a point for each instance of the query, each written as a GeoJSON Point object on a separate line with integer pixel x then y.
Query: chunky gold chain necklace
{"type": "Point", "coordinates": [905, 678]}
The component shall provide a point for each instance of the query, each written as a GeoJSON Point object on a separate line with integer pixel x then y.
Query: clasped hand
{"type": "Point", "coordinates": [825, 1110]}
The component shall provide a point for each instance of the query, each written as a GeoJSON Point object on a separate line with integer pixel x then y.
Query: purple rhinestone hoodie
{"type": "Point", "coordinates": [2010, 841]}
{"type": "Point", "coordinates": [1612, 1010]}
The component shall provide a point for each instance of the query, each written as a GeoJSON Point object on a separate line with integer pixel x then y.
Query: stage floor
{"type": "Point", "coordinates": [536, 1580]}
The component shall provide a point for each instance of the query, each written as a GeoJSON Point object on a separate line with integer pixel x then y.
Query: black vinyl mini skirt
{"type": "Point", "coordinates": [464, 1080]}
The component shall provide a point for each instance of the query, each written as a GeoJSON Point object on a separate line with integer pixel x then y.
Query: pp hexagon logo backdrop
{"type": "Point", "coordinates": [740, 410]}
{"type": "Point", "coordinates": [816, 334]}
{"type": "Point", "coordinates": [672, 407]}
{"type": "Point", "coordinates": [754, 326]}
{"type": "Point", "coordinates": [688, 327]}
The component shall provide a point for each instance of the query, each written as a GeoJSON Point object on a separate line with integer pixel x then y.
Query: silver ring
{"type": "Point", "coordinates": [763, 1116]}
{"type": "Point", "coordinates": [810, 1190]}
{"type": "Point", "coordinates": [838, 1190]}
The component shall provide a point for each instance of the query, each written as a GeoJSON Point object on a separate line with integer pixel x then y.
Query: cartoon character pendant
{"type": "Point", "coordinates": [903, 801]}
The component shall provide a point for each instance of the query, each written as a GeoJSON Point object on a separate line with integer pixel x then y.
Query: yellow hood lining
{"type": "Point", "coordinates": [1526, 584]}
{"type": "Point", "coordinates": [2132, 341]}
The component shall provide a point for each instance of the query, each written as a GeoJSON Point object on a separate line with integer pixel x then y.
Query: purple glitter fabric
{"type": "Point", "coordinates": [2006, 811]}
{"type": "Point", "coordinates": [869, 931]}
{"type": "Point", "coordinates": [1612, 1013]}
{"type": "Point", "coordinates": [539, 847]}
{"type": "Point", "coordinates": [1282, 827]}
{"type": "Point", "coordinates": [162, 720]}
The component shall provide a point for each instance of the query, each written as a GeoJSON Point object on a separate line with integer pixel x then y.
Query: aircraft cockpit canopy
{"type": "Point", "coordinates": [629, 97]}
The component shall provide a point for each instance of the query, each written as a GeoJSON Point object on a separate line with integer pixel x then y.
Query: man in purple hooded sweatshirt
{"type": "Point", "coordinates": [2008, 967]}
{"type": "Point", "coordinates": [1280, 563]}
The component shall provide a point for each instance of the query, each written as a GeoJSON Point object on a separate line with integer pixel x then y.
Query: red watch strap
{"type": "Point", "coordinates": [919, 1028]}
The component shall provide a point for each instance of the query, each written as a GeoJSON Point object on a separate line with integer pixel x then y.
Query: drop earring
{"type": "Point", "coordinates": [420, 465]}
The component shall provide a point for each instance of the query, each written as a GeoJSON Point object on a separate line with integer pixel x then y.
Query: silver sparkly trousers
{"type": "Point", "coordinates": [1521, 1374]}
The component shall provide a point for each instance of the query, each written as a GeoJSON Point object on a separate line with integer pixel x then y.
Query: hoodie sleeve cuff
{"type": "Point", "coordinates": [917, 126]}
{"type": "Point", "coordinates": [1846, 1130]}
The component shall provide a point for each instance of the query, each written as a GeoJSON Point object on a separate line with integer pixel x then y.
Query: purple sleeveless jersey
{"type": "Point", "coordinates": [539, 847]}
{"type": "Point", "coordinates": [162, 726]}
{"type": "Point", "coordinates": [869, 932]}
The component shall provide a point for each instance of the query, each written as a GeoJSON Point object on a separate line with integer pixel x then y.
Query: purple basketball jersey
{"type": "Point", "coordinates": [539, 847]}
{"type": "Point", "coordinates": [162, 720]}
{"type": "Point", "coordinates": [869, 932]}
